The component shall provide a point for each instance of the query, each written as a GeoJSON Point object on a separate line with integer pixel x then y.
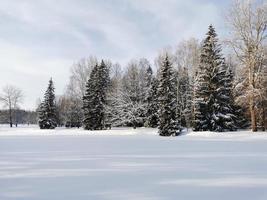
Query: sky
{"type": "Point", "coordinates": [40, 39]}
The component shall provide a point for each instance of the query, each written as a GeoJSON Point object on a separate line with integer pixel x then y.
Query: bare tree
{"type": "Point", "coordinates": [187, 55]}
{"type": "Point", "coordinates": [247, 21]}
{"type": "Point", "coordinates": [11, 98]}
{"type": "Point", "coordinates": [80, 73]}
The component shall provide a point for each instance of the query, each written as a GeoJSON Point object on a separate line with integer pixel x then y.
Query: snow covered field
{"type": "Point", "coordinates": [127, 164]}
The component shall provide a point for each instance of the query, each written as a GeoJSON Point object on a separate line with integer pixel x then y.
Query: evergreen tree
{"type": "Point", "coordinates": [167, 99]}
{"type": "Point", "coordinates": [94, 100]}
{"type": "Point", "coordinates": [47, 109]}
{"type": "Point", "coordinates": [200, 122]}
{"type": "Point", "coordinates": [213, 98]}
{"type": "Point", "coordinates": [104, 86]}
{"type": "Point", "coordinates": [152, 106]}
{"type": "Point", "coordinates": [90, 100]}
{"type": "Point", "coordinates": [148, 96]}
{"type": "Point", "coordinates": [223, 117]}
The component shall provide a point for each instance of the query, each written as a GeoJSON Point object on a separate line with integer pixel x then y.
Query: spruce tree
{"type": "Point", "coordinates": [104, 85]}
{"type": "Point", "coordinates": [47, 109]}
{"type": "Point", "coordinates": [200, 122]}
{"type": "Point", "coordinates": [167, 100]}
{"type": "Point", "coordinates": [94, 100]}
{"type": "Point", "coordinates": [148, 96]}
{"type": "Point", "coordinates": [213, 99]}
{"type": "Point", "coordinates": [152, 106]}
{"type": "Point", "coordinates": [223, 118]}
{"type": "Point", "coordinates": [90, 100]}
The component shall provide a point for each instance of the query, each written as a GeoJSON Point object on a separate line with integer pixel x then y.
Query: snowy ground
{"type": "Point", "coordinates": [127, 164]}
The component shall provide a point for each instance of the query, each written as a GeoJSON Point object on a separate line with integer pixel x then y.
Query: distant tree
{"type": "Point", "coordinates": [131, 101]}
{"type": "Point", "coordinates": [47, 109]}
{"type": "Point", "coordinates": [187, 56]}
{"type": "Point", "coordinates": [167, 98]}
{"type": "Point", "coordinates": [183, 97]}
{"type": "Point", "coordinates": [20, 116]}
{"type": "Point", "coordinates": [186, 62]}
{"type": "Point", "coordinates": [11, 97]}
{"type": "Point", "coordinates": [148, 97]}
{"type": "Point", "coordinates": [73, 115]}
{"type": "Point", "coordinates": [112, 108]}
{"type": "Point", "coordinates": [79, 75]}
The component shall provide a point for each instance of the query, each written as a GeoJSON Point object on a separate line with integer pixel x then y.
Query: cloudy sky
{"type": "Point", "coordinates": [40, 39]}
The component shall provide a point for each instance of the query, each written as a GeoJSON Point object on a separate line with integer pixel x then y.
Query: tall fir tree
{"type": "Point", "coordinates": [94, 100]}
{"type": "Point", "coordinates": [213, 98]}
{"type": "Point", "coordinates": [47, 109]}
{"type": "Point", "coordinates": [152, 106]}
{"type": "Point", "coordinates": [167, 100]}
{"type": "Point", "coordinates": [148, 96]}
{"type": "Point", "coordinates": [90, 100]}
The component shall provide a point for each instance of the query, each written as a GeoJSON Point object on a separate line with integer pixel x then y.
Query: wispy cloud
{"type": "Point", "coordinates": [40, 39]}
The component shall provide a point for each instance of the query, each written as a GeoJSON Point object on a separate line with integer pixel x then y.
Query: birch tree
{"type": "Point", "coordinates": [247, 21]}
{"type": "Point", "coordinates": [11, 97]}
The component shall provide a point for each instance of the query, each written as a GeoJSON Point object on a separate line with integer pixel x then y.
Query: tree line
{"type": "Point", "coordinates": [195, 86]}
{"type": "Point", "coordinates": [171, 99]}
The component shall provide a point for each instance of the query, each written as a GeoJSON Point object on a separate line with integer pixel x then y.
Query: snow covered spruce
{"type": "Point", "coordinates": [47, 109]}
{"type": "Point", "coordinates": [214, 106]}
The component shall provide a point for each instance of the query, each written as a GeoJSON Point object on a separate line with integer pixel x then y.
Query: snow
{"type": "Point", "coordinates": [124, 163]}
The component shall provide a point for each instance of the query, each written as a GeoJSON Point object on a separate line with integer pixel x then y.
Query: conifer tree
{"type": "Point", "coordinates": [223, 118]}
{"type": "Point", "coordinates": [47, 109]}
{"type": "Point", "coordinates": [94, 100]}
{"type": "Point", "coordinates": [152, 106]}
{"type": "Point", "coordinates": [167, 98]}
{"type": "Point", "coordinates": [213, 98]}
{"type": "Point", "coordinates": [148, 96]}
{"type": "Point", "coordinates": [90, 101]}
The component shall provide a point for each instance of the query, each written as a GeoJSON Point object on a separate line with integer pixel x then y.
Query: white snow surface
{"type": "Point", "coordinates": [128, 164]}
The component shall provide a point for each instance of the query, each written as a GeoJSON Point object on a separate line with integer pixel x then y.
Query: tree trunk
{"type": "Point", "coordinates": [251, 64]}
{"type": "Point", "coordinates": [253, 114]}
{"type": "Point", "coordinates": [10, 118]}
{"type": "Point", "coordinates": [263, 117]}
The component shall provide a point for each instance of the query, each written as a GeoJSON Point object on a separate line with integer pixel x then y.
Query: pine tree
{"type": "Point", "coordinates": [104, 86]}
{"type": "Point", "coordinates": [90, 101]}
{"type": "Point", "coordinates": [47, 109]}
{"type": "Point", "coordinates": [94, 100]}
{"type": "Point", "coordinates": [223, 117]}
{"type": "Point", "coordinates": [152, 106]}
{"type": "Point", "coordinates": [167, 98]}
{"type": "Point", "coordinates": [200, 122]}
{"type": "Point", "coordinates": [148, 96]}
{"type": "Point", "coordinates": [213, 98]}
